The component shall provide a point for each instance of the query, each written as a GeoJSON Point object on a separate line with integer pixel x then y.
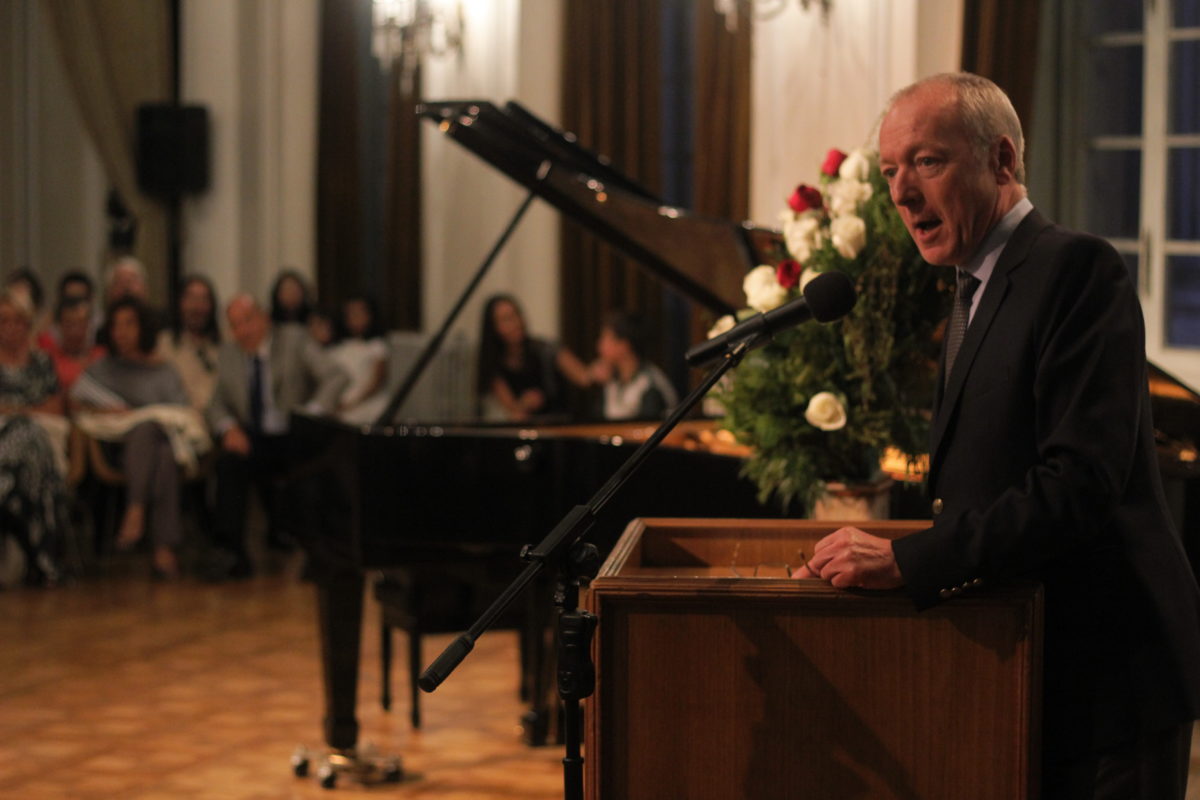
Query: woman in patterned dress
{"type": "Point", "coordinates": [32, 491]}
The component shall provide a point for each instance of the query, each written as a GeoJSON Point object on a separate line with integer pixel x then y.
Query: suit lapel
{"type": "Point", "coordinates": [1015, 252]}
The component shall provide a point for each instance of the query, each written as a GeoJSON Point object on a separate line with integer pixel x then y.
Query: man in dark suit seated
{"type": "Point", "coordinates": [262, 376]}
{"type": "Point", "coordinates": [1043, 463]}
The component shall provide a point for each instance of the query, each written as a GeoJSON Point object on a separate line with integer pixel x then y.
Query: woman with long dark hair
{"type": "Point", "coordinates": [520, 376]}
{"type": "Point", "coordinates": [191, 343]}
{"type": "Point", "coordinates": [291, 299]}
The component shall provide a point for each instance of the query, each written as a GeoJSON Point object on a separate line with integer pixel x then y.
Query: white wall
{"type": "Point", "coordinates": [253, 63]}
{"type": "Point", "coordinates": [820, 81]}
{"type": "Point", "coordinates": [511, 52]}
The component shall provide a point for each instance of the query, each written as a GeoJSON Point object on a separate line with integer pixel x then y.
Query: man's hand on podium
{"type": "Point", "coordinates": [850, 558]}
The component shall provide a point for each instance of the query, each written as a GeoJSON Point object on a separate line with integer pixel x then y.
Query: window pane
{"type": "Point", "coordinates": [1183, 301]}
{"type": "Point", "coordinates": [1183, 193]}
{"type": "Point", "coordinates": [1113, 91]}
{"type": "Point", "coordinates": [1187, 13]}
{"type": "Point", "coordinates": [1112, 193]}
{"type": "Point", "coordinates": [1185, 87]}
{"type": "Point", "coordinates": [1112, 16]}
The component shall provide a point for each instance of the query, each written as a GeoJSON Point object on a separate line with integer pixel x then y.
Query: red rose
{"type": "Point", "coordinates": [804, 198]}
{"type": "Point", "coordinates": [788, 273]}
{"type": "Point", "coordinates": [833, 160]}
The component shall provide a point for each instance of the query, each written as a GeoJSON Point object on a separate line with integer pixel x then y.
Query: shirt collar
{"type": "Point", "coordinates": [986, 255]}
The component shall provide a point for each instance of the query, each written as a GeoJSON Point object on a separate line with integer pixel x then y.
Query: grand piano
{"type": "Point", "coordinates": [423, 494]}
{"type": "Point", "coordinates": [407, 494]}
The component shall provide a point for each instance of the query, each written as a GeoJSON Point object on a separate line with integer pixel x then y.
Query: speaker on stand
{"type": "Point", "coordinates": [172, 161]}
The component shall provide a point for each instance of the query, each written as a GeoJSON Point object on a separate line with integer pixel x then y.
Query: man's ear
{"type": "Point", "coordinates": [1004, 161]}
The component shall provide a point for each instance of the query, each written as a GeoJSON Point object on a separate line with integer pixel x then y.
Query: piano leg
{"type": "Point", "coordinates": [340, 611]}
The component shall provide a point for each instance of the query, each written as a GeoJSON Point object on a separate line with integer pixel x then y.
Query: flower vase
{"type": "Point", "coordinates": [854, 501]}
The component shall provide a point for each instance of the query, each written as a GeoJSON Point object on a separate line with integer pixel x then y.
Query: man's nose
{"type": "Point", "coordinates": [904, 191]}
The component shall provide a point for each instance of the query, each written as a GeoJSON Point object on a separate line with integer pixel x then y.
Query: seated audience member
{"type": "Point", "coordinates": [138, 400]}
{"type": "Point", "coordinates": [291, 300]}
{"type": "Point", "coordinates": [71, 348]}
{"type": "Point", "coordinates": [32, 493]}
{"type": "Point", "coordinates": [263, 375]}
{"type": "Point", "coordinates": [72, 285]}
{"type": "Point", "coordinates": [361, 351]}
{"type": "Point", "coordinates": [125, 277]}
{"type": "Point", "coordinates": [24, 281]}
{"type": "Point", "coordinates": [76, 284]}
{"type": "Point", "coordinates": [633, 388]}
{"type": "Point", "coordinates": [322, 326]}
{"type": "Point", "coordinates": [191, 343]}
{"type": "Point", "coordinates": [519, 376]}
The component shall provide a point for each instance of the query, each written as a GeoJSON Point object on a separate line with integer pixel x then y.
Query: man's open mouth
{"type": "Point", "coordinates": [927, 225]}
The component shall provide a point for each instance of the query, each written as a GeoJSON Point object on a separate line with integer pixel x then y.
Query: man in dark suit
{"type": "Point", "coordinates": [262, 376]}
{"type": "Point", "coordinates": [1042, 452]}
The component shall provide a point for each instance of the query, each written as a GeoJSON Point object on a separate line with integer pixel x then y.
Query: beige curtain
{"type": "Point", "coordinates": [117, 55]}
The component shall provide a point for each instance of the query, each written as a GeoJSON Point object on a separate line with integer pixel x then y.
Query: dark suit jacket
{"type": "Point", "coordinates": [1043, 466]}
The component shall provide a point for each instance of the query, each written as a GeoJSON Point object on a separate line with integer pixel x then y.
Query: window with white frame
{"type": "Point", "coordinates": [1130, 128]}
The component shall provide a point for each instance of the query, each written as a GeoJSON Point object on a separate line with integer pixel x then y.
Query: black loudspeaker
{"type": "Point", "coordinates": [172, 149]}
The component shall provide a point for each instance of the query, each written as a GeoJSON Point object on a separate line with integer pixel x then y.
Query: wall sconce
{"type": "Point", "coordinates": [762, 10]}
{"type": "Point", "coordinates": [405, 31]}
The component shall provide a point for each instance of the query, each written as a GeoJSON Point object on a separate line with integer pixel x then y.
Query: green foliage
{"type": "Point", "coordinates": [880, 361]}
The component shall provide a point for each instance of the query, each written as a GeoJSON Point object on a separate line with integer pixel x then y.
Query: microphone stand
{"type": "Point", "coordinates": [435, 343]}
{"type": "Point", "coordinates": [575, 561]}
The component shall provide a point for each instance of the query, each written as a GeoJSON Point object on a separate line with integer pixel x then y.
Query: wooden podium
{"type": "Point", "coordinates": [720, 677]}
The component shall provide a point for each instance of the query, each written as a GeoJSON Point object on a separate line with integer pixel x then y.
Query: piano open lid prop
{"type": "Point", "coordinates": [388, 496]}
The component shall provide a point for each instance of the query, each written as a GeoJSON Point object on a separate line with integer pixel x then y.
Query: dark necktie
{"type": "Point", "coordinates": [256, 393]}
{"type": "Point", "coordinates": [960, 315]}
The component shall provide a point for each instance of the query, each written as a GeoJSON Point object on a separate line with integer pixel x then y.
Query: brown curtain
{"type": "Point", "coordinates": [339, 232]}
{"type": "Point", "coordinates": [401, 298]}
{"type": "Point", "coordinates": [1000, 39]}
{"type": "Point", "coordinates": [721, 158]}
{"type": "Point", "coordinates": [117, 56]}
{"type": "Point", "coordinates": [368, 224]}
{"type": "Point", "coordinates": [611, 102]}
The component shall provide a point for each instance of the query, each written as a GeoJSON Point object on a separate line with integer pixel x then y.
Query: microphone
{"type": "Point", "coordinates": [827, 297]}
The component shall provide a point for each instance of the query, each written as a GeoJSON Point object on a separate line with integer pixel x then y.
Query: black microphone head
{"type": "Point", "coordinates": [830, 296]}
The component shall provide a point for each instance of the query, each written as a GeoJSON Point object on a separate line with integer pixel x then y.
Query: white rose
{"type": "Point", "coordinates": [826, 412]}
{"type": "Point", "coordinates": [720, 326]}
{"type": "Point", "coordinates": [802, 235]}
{"type": "Point", "coordinates": [856, 167]}
{"type": "Point", "coordinates": [807, 275]}
{"type": "Point", "coordinates": [849, 235]}
{"type": "Point", "coordinates": [846, 195]}
{"type": "Point", "coordinates": [762, 289]}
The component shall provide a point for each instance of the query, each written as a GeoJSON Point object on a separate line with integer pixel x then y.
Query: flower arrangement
{"type": "Point", "coordinates": [821, 403]}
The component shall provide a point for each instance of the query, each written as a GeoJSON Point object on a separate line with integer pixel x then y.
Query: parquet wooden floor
{"type": "Point", "coordinates": [121, 688]}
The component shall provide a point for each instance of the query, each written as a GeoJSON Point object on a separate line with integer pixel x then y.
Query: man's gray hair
{"type": "Point", "coordinates": [986, 111]}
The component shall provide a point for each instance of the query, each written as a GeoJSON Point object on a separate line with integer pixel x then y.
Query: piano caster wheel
{"type": "Point", "coordinates": [327, 776]}
{"type": "Point", "coordinates": [365, 766]}
{"type": "Point", "coordinates": [391, 772]}
{"type": "Point", "coordinates": [300, 762]}
{"type": "Point", "coordinates": [536, 728]}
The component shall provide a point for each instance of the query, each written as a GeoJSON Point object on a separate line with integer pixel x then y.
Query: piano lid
{"type": "Point", "coordinates": [703, 257]}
